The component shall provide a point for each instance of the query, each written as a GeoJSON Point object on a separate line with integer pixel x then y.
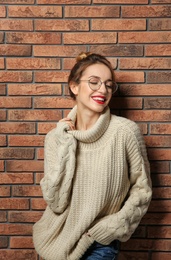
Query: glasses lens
{"type": "Point", "coordinates": [114, 87]}
{"type": "Point", "coordinates": [111, 86]}
{"type": "Point", "coordinates": [94, 83]}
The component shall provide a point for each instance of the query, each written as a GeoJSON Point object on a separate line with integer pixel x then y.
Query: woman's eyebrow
{"type": "Point", "coordinates": [93, 76]}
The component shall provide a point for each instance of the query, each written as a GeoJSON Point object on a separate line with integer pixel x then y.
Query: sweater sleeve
{"type": "Point", "coordinates": [122, 224]}
{"type": "Point", "coordinates": [59, 167]}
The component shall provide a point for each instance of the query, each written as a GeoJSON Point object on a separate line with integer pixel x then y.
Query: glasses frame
{"type": "Point", "coordinates": [101, 82]}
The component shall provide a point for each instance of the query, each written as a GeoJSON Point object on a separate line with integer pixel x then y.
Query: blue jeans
{"type": "Point", "coordinates": [98, 251]}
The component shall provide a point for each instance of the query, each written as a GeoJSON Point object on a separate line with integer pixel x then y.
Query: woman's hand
{"type": "Point", "coordinates": [69, 122]}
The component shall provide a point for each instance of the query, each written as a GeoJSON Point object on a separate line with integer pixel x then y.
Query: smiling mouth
{"type": "Point", "coordinates": [99, 100]}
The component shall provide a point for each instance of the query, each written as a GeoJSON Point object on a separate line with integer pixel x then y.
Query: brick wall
{"type": "Point", "coordinates": [38, 43]}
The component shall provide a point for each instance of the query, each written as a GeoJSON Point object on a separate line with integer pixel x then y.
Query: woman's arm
{"type": "Point", "coordinates": [59, 167]}
{"type": "Point", "coordinates": [122, 224]}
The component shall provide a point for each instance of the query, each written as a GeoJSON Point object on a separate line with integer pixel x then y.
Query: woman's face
{"type": "Point", "coordinates": [94, 100]}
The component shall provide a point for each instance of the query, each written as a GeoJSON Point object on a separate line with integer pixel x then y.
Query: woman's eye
{"type": "Point", "coordinates": [94, 82]}
{"type": "Point", "coordinates": [108, 85]}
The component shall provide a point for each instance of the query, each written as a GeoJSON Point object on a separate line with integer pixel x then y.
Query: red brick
{"type": "Point", "coordinates": [143, 128]}
{"type": "Point", "coordinates": [116, 50]}
{"type": "Point", "coordinates": [3, 141]}
{"type": "Point", "coordinates": [117, 24]}
{"type": "Point", "coordinates": [145, 89]}
{"type": "Point", "coordinates": [17, 128]}
{"type": "Point", "coordinates": [29, 140]}
{"type": "Point", "coordinates": [161, 193]}
{"type": "Point", "coordinates": [40, 154]}
{"type": "Point", "coordinates": [160, 1]}
{"type": "Point", "coordinates": [130, 76]}
{"type": "Point", "coordinates": [68, 63]}
{"type": "Point", "coordinates": [155, 206]}
{"type": "Point", "coordinates": [92, 11]}
{"type": "Point", "coordinates": [132, 255]}
{"type": "Point", "coordinates": [24, 216]}
{"type": "Point", "coordinates": [89, 37]}
{"type": "Point", "coordinates": [56, 51]}
{"type": "Point", "coordinates": [21, 242]}
{"type": "Point", "coordinates": [35, 11]}
{"type": "Point", "coordinates": [4, 192]}
{"type": "Point", "coordinates": [18, 254]}
{"type": "Point", "coordinates": [120, 2]}
{"type": "Point", "coordinates": [146, 11]}
{"type": "Point", "coordinates": [3, 115]}
{"type": "Point", "coordinates": [144, 245]}
{"type": "Point", "coordinates": [3, 242]}
{"type": "Point", "coordinates": [21, 2]}
{"type": "Point", "coordinates": [15, 76]}
{"type": "Point", "coordinates": [159, 232]}
{"type": "Point", "coordinates": [147, 115]}
{"type": "Point", "coordinates": [1, 37]}
{"type": "Point", "coordinates": [125, 103]}
{"type": "Point", "coordinates": [161, 180]}
{"type": "Point", "coordinates": [157, 218]}
{"type": "Point", "coordinates": [160, 129]}
{"type": "Point", "coordinates": [159, 255]}
{"type": "Point", "coordinates": [63, 2]}
{"type": "Point", "coordinates": [15, 102]}
{"type": "Point", "coordinates": [33, 63]}
{"type": "Point", "coordinates": [144, 37]}
{"type": "Point", "coordinates": [157, 103]}
{"type": "Point", "coordinates": [14, 203]}
{"type": "Point", "coordinates": [3, 216]}
{"type": "Point", "coordinates": [2, 64]}
{"type": "Point", "coordinates": [16, 25]}
{"type": "Point", "coordinates": [15, 50]}
{"type": "Point", "coordinates": [2, 11]}
{"type": "Point", "coordinates": [16, 153]}
{"type": "Point", "coordinates": [53, 102]}
{"type": "Point", "coordinates": [39, 176]}
{"type": "Point", "coordinates": [16, 178]}
{"type": "Point", "coordinates": [51, 76]}
{"type": "Point", "coordinates": [38, 204]}
{"type": "Point", "coordinates": [1, 165]}
{"type": "Point", "coordinates": [25, 191]}
{"type": "Point", "coordinates": [62, 25]}
{"type": "Point", "coordinates": [33, 37]}
{"type": "Point", "coordinates": [2, 89]}
{"type": "Point", "coordinates": [15, 229]}
{"type": "Point", "coordinates": [145, 63]}
{"type": "Point", "coordinates": [24, 166]}
{"type": "Point", "coordinates": [158, 50]}
{"type": "Point", "coordinates": [156, 141]}
{"type": "Point", "coordinates": [158, 24]}
{"type": "Point", "coordinates": [38, 115]}
{"type": "Point", "coordinates": [44, 128]}
{"type": "Point", "coordinates": [160, 167]}
{"type": "Point", "coordinates": [160, 154]}
{"type": "Point", "coordinates": [159, 77]}
{"type": "Point", "coordinates": [34, 89]}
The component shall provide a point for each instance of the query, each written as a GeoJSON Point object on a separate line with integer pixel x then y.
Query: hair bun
{"type": "Point", "coordinates": [83, 55]}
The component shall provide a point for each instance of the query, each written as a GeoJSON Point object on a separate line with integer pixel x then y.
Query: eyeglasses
{"type": "Point", "coordinates": [96, 82]}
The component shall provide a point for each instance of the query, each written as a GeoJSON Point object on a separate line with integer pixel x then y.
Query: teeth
{"type": "Point", "coordinates": [98, 98]}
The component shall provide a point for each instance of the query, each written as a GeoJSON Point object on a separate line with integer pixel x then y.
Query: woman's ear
{"type": "Point", "coordinates": [74, 88]}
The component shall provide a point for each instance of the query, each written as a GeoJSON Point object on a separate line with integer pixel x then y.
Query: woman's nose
{"type": "Point", "coordinates": [103, 87]}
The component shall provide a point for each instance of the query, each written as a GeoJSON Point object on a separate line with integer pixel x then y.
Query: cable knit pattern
{"type": "Point", "coordinates": [96, 180]}
{"type": "Point", "coordinates": [59, 171]}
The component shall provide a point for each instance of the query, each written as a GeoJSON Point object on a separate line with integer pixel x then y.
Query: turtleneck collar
{"type": "Point", "coordinates": [95, 132]}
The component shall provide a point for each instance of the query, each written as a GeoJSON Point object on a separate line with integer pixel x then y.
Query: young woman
{"type": "Point", "coordinates": [97, 181]}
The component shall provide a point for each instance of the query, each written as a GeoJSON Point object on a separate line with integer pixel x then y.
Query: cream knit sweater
{"type": "Point", "coordinates": [96, 180]}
